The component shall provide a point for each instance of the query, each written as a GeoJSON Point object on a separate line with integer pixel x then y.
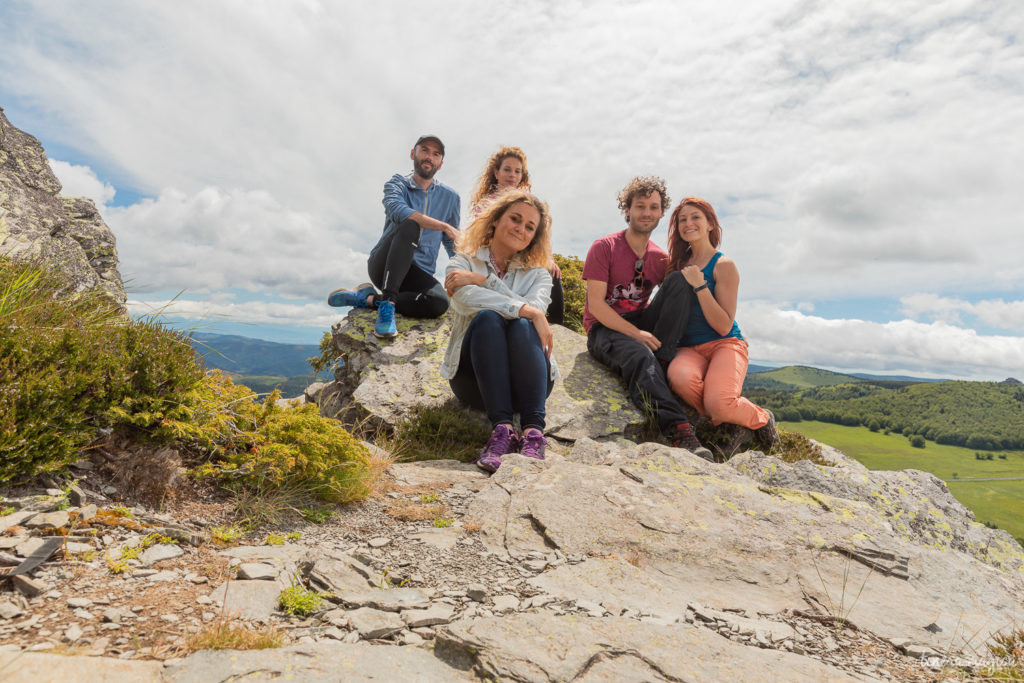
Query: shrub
{"type": "Point", "coordinates": [431, 431]}
{"type": "Point", "coordinates": [917, 441]}
{"type": "Point", "coordinates": [574, 289]}
{"type": "Point", "coordinates": [299, 601]}
{"type": "Point", "coordinates": [67, 364]}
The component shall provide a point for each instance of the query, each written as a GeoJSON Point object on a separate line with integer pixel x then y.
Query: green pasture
{"type": "Point", "coordinates": [995, 502]}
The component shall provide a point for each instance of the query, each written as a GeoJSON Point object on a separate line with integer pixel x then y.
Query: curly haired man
{"type": "Point", "coordinates": [635, 339]}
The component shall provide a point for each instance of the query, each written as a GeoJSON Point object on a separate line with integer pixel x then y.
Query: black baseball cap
{"type": "Point", "coordinates": [430, 138]}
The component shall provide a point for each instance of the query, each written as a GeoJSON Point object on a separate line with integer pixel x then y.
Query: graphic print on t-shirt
{"type": "Point", "coordinates": [627, 297]}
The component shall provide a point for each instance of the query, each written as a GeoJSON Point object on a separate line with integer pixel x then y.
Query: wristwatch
{"type": "Point", "coordinates": [697, 289]}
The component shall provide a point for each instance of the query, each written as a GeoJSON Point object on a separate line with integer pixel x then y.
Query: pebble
{"type": "Point", "coordinates": [379, 541]}
{"type": "Point", "coordinates": [506, 603]}
{"type": "Point", "coordinates": [477, 592]}
{"type": "Point", "coordinates": [73, 633]}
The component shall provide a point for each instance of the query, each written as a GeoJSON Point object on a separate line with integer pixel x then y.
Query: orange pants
{"type": "Point", "coordinates": [709, 377]}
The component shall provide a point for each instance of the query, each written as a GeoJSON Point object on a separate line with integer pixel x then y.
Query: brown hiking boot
{"type": "Point", "coordinates": [768, 435]}
{"type": "Point", "coordinates": [682, 436]}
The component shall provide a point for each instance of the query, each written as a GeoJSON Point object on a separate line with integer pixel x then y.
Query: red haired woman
{"type": "Point", "coordinates": [709, 367]}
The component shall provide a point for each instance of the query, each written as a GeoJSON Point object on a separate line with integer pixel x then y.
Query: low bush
{"type": "Point", "coordinates": [67, 362]}
{"type": "Point", "coordinates": [73, 365]}
{"type": "Point", "coordinates": [574, 290]}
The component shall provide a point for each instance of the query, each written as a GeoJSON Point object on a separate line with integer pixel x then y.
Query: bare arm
{"type": "Point", "coordinates": [425, 221]}
{"type": "Point", "coordinates": [605, 315]}
{"type": "Point", "coordinates": [719, 309]}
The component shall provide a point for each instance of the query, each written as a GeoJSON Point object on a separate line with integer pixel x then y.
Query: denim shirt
{"type": "Point", "coordinates": [402, 198]}
{"type": "Point", "coordinates": [521, 285]}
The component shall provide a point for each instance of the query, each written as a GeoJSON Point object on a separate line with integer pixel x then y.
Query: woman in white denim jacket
{"type": "Point", "coordinates": [499, 353]}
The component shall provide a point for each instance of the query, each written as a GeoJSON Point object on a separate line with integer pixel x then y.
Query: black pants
{"type": "Point", "coordinates": [556, 309]}
{"type": "Point", "coordinates": [665, 318]}
{"type": "Point", "coordinates": [503, 370]}
{"type": "Point", "coordinates": [415, 292]}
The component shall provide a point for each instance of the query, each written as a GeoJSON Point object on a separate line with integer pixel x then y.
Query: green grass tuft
{"type": "Point", "coordinates": [445, 431]}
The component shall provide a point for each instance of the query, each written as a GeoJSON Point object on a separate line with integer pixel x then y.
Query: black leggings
{"type": "Point", "coordinates": [414, 291]}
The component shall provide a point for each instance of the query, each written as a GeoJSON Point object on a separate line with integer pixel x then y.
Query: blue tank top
{"type": "Point", "coordinates": [698, 331]}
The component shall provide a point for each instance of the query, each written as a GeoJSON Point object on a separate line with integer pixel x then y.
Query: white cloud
{"type": "Point", "coordinates": [82, 181]}
{"type": "Point", "coordinates": [1007, 315]}
{"type": "Point", "coordinates": [853, 150]}
{"type": "Point", "coordinates": [219, 239]}
{"type": "Point", "coordinates": [902, 346]}
{"type": "Point", "coordinates": [210, 312]}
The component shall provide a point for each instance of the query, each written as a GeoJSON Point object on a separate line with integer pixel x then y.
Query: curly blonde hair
{"type": "Point", "coordinates": [481, 231]}
{"type": "Point", "coordinates": [487, 183]}
{"type": "Point", "coordinates": [643, 186]}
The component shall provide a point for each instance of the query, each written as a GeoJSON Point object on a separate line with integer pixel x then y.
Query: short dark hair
{"type": "Point", "coordinates": [430, 138]}
{"type": "Point", "coordinates": [643, 186]}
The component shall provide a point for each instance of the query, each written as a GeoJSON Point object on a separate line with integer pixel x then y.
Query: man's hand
{"type": "Point", "coordinates": [452, 232]}
{"type": "Point", "coordinates": [647, 339]}
{"type": "Point", "coordinates": [459, 278]}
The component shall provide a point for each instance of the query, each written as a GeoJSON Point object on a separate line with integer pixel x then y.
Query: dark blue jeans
{"type": "Point", "coordinates": [503, 370]}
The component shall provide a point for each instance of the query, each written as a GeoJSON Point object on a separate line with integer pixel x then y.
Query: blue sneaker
{"type": "Point", "coordinates": [352, 297]}
{"type": "Point", "coordinates": [385, 327]}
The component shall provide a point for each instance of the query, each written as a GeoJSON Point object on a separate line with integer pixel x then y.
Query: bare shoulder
{"type": "Point", "coordinates": [726, 267]}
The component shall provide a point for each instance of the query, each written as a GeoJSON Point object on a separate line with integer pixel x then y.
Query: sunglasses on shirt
{"type": "Point", "coordinates": [638, 274]}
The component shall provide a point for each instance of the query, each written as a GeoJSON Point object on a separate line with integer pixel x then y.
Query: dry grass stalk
{"type": "Point", "coordinates": [226, 632]}
{"type": "Point", "coordinates": [413, 512]}
{"type": "Point", "coordinates": [471, 525]}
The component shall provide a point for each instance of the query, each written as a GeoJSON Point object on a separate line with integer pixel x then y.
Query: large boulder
{"type": "Point", "coordinates": [664, 532]}
{"type": "Point", "coordinates": [36, 223]}
{"type": "Point", "coordinates": [382, 380]}
{"type": "Point", "coordinates": [386, 379]}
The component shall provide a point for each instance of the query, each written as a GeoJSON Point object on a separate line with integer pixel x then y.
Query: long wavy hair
{"type": "Point", "coordinates": [679, 250]}
{"type": "Point", "coordinates": [481, 231]}
{"type": "Point", "coordinates": [488, 183]}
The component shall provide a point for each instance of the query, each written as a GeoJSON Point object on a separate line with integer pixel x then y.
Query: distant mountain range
{"type": "Point", "coordinates": [248, 356]}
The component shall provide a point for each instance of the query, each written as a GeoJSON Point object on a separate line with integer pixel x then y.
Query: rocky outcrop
{"type": "Point", "coordinates": [36, 223]}
{"type": "Point", "coordinates": [668, 533]}
{"type": "Point", "coordinates": [385, 379]}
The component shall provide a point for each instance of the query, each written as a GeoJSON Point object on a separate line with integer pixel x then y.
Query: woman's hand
{"type": "Point", "coordinates": [459, 278]}
{"type": "Point", "coordinates": [540, 323]}
{"type": "Point", "coordinates": [556, 272]}
{"type": "Point", "coordinates": [693, 275]}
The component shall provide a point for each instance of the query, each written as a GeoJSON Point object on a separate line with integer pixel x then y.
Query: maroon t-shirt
{"type": "Point", "coordinates": [612, 260]}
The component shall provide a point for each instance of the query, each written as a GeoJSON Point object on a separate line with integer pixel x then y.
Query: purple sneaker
{"type": "Point", "coordinates": [503, 440]}
{"type": "Point", "coordinates": [534, 443]}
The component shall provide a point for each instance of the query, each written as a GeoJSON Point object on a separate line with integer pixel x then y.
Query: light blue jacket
{"type": "Point", "coordinates": [402, 198]}
{"type": "Point", "coordinates": [521, 285]}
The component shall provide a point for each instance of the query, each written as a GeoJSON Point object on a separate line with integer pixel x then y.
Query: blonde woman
{"type": "Point", "coordinates": [499, 352]}
{"type": "Point", "coordinates": [506, 170]}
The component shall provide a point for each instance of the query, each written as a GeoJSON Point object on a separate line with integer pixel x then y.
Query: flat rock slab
{"type": "Point", "coordinates": [256, 553]}
{"type": "Point", "coordinates": [542, 647]}
{"type": "Point", "coordinates": [374, 623]}
{"type": "Point", "coordinates": [438, 613]}
{"type": "Point", "coordinates": [39, 667]}
{"type": "Point", "coordinates": [318, 663]}
{"type": "Point", "coordinates": [341, 576]}
{"type": "Point", "coordinates": [256, 571]}
{"type": "Point", "coordinates": [249, 599]}
{"type": "Point", "coordinates": [436, 472]}
{"type": "Point", "coordinates": [159, 553]}
{"type": "Point", "coordinates": [14, 519]}
{"type": "Point", "coordinates": [389, 600]}
{"type": "Point", "coordinates": [443, 538]}
{"type": "Point", "coordinates": [58, 518]}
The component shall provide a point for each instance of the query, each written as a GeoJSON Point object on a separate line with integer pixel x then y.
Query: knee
{"type": "Point", "coordinates": [435, 304]}
{"type": "Point", "coordinates": [488, 320]}
{"type": "Point", "coordinates": [675, 281]}
{"type": "Point", "coordinates": [685, 382]}
{"type": "Point", "coordinates": [408, 230]}
{"type": "Point", "coordinates": [521, 330]}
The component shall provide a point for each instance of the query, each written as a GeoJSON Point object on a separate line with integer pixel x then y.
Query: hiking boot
{"type": "Point", "coordinates": [768, 435]}
{"type": "Point", "coordinates": [357, 298]}
{"type": "Point", "coordinates": [533, 444]}
{"type": "Point", "coordinates": [385, 327]}
{"type": "Point", "coordinates": [682, 436]}
{"type": "Point", "coordinates": [502, 442]}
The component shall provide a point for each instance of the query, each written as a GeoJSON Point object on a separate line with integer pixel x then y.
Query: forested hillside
{"type": "Point", "coordinates": [980, 415]}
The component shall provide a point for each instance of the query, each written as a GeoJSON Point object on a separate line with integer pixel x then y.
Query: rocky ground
{"type": "Point", "coordinates": [406, 569]}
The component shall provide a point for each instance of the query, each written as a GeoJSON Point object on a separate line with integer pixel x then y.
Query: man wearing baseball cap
{"type": "Point", "coordinates": [420, 214]}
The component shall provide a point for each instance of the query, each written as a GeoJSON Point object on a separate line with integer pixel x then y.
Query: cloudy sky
{"type": "Point", "coordinates": [865, 158]}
